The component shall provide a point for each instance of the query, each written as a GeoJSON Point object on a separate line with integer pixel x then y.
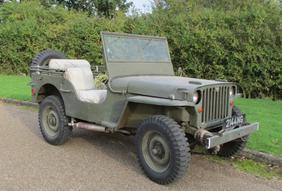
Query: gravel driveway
{"type": "Point", "coordinates": [96, 161]}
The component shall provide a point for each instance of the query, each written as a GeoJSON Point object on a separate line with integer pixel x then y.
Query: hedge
{"type": "Point", "coordinates": [238, 41]}
{"type": "Point", "coordinates": [28, 28]}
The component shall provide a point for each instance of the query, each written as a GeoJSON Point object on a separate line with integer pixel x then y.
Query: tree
{"type": "Point", "coordinates": [108, 8]}
{"type": "Point", "coordinates": [105, 8]}
{"type": "Point", "coordinates": [83, 5]}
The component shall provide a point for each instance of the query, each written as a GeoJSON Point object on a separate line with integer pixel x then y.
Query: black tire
{"type": "Point", "coordinates": [173, 141]}
{"type": "Point", "coordinates": [233, 148]}
{"type": "Point", "coordinates": [53, 121]}
{"type": "Point", "coordinates": [42, 59]}
{"type": "Point", "coordinates": [237, 112]}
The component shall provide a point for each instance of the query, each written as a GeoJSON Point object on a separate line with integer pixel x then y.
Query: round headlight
{"type": "Point", "coordinates": [232, 91]}
{"type": "Point", "coordinates": [196, 97]}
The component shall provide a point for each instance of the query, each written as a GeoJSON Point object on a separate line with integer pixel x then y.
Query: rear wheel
{"type": "Point", "coordinates": [162, 149]}
{"type": "Point", "coordinates": [53, 121]}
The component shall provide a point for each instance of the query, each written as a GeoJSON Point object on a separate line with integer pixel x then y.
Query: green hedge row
{"type": "Point", "coordinates": [28, 28]}
{"type": "Point", "coordinates": [234, 40]}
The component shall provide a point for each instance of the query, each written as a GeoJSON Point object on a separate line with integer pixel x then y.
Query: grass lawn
{"type": "Point", "coordinates": [267, 112]}
{"type": "Point", "coordinates": [250, 166]}
{"type": "Point", "coordinates": [15, 87]}
{"type": "Point", "coordinates": [259, 169]}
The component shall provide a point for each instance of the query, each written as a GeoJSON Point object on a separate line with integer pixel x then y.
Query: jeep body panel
{"type": "Point", "coordinates": [107, 112]}
{"type": "Point", "coordinates": [159, 101]}
{"type": "Point", "coordinates": [167, 87]}
{"type": "Point", "coordinates": [110, 112]}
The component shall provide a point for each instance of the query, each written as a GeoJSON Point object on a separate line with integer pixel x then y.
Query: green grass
{"type": "Point", "coordinates": [15, 87]}
{"type": "Point", "coordinates": [269, 114]}
{"type": "Point", "coordinates": [258, 169]}
{"type": "Point", "coordinates": [251, 167]}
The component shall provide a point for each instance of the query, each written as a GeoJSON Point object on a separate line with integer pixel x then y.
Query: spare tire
{"type": "Point", "coordinates": [43, 58]}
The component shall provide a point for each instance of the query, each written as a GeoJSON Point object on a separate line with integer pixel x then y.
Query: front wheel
{"type": "Point", "coordinates": [162, 149]}
{"type": "Point", "coordinates": [232, 148]}
{"type": "Point", "coordinates": [53, 121]}
{"type": "Point", "coordinates": [236, 146]}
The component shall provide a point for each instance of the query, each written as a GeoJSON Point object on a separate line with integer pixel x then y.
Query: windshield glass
{"type": "Point", "coordinates": [135, 49]}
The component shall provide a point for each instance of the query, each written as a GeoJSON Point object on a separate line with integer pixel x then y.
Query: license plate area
{"type": "Point", "coordinates": [233, 122]}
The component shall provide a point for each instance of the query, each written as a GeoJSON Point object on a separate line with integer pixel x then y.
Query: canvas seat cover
{"type": "Point", "coordinates": [79, 74]}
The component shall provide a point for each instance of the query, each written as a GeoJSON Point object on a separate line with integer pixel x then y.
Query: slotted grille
{"type": "Point", "coordinates": [215, 102]}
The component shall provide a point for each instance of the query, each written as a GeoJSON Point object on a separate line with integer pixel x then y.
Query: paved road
{"type": "Point", "coordinates": [95, 161]}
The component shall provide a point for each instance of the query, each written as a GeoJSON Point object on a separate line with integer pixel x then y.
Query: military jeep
{"type": "Point", "coordinates": [167, 114]}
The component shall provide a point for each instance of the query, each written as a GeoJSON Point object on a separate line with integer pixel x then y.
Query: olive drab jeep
{"type": "Point", "coordinates": [167, 114]}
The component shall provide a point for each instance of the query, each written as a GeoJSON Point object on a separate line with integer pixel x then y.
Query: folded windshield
{"type": "Point", "coordinates": [136, 49]}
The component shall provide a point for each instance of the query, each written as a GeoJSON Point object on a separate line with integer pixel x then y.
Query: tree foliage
{"type": "Point", "coordinates": [28, 28]}
{"type": "Point", "coordinates": [105, 8]}
{"type": "Point", "coordinates": [238, 41]}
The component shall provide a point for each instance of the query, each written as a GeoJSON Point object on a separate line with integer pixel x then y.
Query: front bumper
{"type": "Point", "coordinates": [230, 135]}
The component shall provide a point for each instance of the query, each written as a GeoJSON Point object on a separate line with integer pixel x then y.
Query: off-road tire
{"type": "Point", "coordinates": [233, 148]}
{"type": "Point", "coordinates": [63, 132]}
{"type": "Point", "coordinates": [174, 136]}
{"type": "Point", "coordinates": [43, 57]}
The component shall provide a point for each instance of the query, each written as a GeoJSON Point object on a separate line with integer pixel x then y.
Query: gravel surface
{"type": "Point", "coordinates": [96, 161]}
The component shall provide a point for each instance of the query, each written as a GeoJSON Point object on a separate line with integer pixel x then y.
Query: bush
{"type": "Point", "coordinates": [28, 28]}
{"type": "Point", "coordinates": [238, 41]}
{"type": "Point", "coordinates": [234, 40]}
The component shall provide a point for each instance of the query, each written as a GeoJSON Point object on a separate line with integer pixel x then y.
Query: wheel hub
{"type": "Point", "coordinates": [52, 120]}
{"type": "Point", "coordinates": [157, 152]}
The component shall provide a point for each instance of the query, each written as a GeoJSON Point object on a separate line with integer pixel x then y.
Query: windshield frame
{"type": "Point", "coordinates": [134, 36]}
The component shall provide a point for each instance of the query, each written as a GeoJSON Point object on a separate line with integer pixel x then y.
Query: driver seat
{"type": "Point", "coordinates": [79, 74]}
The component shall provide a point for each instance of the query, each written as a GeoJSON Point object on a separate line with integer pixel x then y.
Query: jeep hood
{"type": "Point", "coordinates": [171, 87]}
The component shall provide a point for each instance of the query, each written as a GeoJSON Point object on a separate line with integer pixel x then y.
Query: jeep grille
{"type": "Point", "coordinates": [215, 103]}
